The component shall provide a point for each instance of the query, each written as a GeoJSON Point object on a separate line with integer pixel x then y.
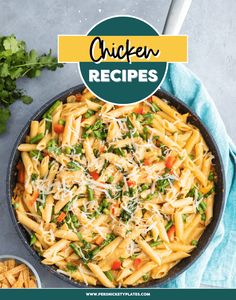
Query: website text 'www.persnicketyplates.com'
{"type": "Point", "coordinates": [118, 294]}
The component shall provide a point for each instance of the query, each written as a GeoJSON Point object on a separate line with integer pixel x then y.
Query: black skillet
{"type": "Point", "coordinates": [219, 191]}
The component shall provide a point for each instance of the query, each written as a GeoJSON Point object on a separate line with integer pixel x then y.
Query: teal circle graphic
{"type": "Point", "coordinates": [123, 92]}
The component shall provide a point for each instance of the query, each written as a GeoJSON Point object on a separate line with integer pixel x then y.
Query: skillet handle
{"type": "Point", "coordinates": [176, 16]}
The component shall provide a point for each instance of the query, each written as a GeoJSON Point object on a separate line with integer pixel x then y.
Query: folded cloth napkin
{"type": "Point", "coordinates": [217, 266]}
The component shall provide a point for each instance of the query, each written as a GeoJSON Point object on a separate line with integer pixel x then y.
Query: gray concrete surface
{"type": "Point", "coordinates": [210, 24]}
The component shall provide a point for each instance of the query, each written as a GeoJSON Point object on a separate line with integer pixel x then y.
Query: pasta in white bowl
{"type": "Point", "coordinates": [114, 195]}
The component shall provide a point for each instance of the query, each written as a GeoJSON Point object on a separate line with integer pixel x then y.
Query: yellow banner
{"type": "Point", "coordinates": [164, 48]}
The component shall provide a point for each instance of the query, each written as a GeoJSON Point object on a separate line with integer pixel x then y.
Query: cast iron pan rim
{"type": "Point", "coordinates": [151, 284]}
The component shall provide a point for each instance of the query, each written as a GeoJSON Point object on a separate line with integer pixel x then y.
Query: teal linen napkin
{"type": "Point", "coordinates": [217, 265]}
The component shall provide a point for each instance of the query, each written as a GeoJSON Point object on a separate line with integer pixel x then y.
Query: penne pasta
{"type": "Point", "coordinates": [34, 127]}
{"type": "Point", "coordinates": [43, 143]}
{"type": "Point", "coordinates": [27, 147]}
{"type": "Point", "coordinates": [149, 251]}
{"type": "Point", "coordinates": [55, 248]}
{"type": "Point", "coordinates": [47, 211]}
{"type": "Point", "coordinates": [174, 257]}
{"type": "Point", "coordinates": [192, 141]}
{"type": "Point", "coordinates": [113, 195]}
{"type": "Point", "coordinates": [29, 223]}
{"type": "Point", "coordinates": [100, 275]}
{"type": "Point", "coordinates": [139, 273]}
{"type": "Point", "coordinates": [44, 166]}
{"type": "Point", "coordinates": [67, 131]}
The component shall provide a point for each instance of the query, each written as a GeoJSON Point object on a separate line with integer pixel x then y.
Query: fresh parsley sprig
{"type": "Point", "coordinates": [16, 62]}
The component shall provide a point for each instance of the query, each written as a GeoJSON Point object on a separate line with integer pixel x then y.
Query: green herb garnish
{"type": "Point", "coordinates": [52, 146]}
{"type": "Point", "coordinates": [34, 176]}
{"type": "Point", "coordinates": [77, 149]}
{"type": "Point", "coordinates": [15, 63]}
{"type": "Point", "coordinates": [144, 187]}
{"type": "Point", "coordinates": [119, 151]}
{"type": "Point", "coordinates": [162, 184]}
{"type": "Point", "coordinates": [125, 215]}
{"type": "Point", "coordinates": [73, 166]}
{"type": "Point", "coordinates": [110, 179]}
{"type": "Point", "coordinates": [147, 119]}
{"type": "Point", "coordinates": [36, 154]}
{"type": "Point", "coordinates": [99, 130]}
{"type": "Point", "coordinates": [33, 239]}
{"type": "Point", "coordinates": [193, 192]}
{"type": "Point", "coordinates": [71, 268]}
{"type": "Point", "coordinates": [96, 153]}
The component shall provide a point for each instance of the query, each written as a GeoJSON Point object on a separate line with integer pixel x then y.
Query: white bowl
{"type": "Point", "coordinates": [21, 260]}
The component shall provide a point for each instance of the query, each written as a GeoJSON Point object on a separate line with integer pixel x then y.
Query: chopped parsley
{"type": "Point", "coordinates": [36, 154]}
{"type": "Point", "coordinates": [147, 119]}
{"type": "Point", "coordinates": [34, 176]}
{"type": "Point", "coordinates": [162, 185]}
{"type": "Point", "coordinates": [99, 130]}
{"type": "Point", "coordinates": [52, 146]}
{"type": "Point", "coordinates": [119, 152]}
{"type": "Point", "coordinates": [71, 268]}
{"type": "Point", "coordinates": [33, 239]}
{"type": "Point", "coordinates": [77, 149]}
{"type": "Point", "coordinates": [125, 215]}
{"type": "Point", "coordinates": [194, 192]}
{"type": "Point", "coordinates": [73, 166]}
